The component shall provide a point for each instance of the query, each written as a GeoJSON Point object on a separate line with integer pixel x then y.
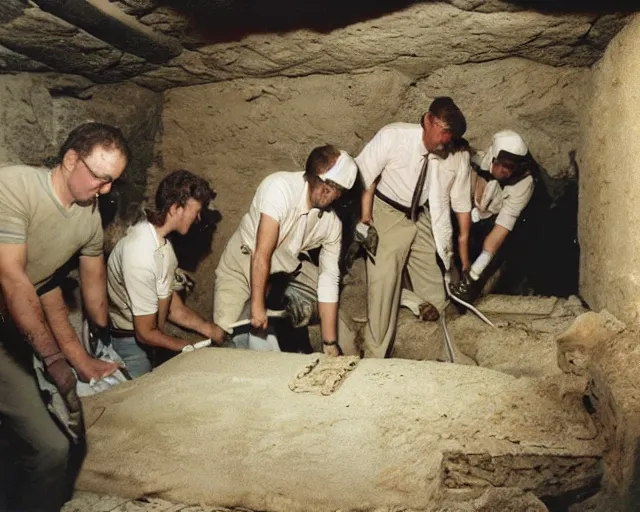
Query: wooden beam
{"type": "Point", "coordinates": [105, 21]}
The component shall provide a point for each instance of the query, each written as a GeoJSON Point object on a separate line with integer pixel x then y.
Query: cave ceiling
{"type": "Point", "coordinates": [160, 44]}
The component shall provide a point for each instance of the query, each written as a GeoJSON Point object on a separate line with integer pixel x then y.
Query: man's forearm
{"type": "Point", "coordinates": [57, 316]}
{"type": "Point", "coordinates": [328, 320]}
{"type": "Point", "coordinates": [26, 311]}
{"type": "Point", "coordinates": [366, 204]}
{"type": "Point", "coordinates": [93, 282]}
{"type": "Point", "coordinates": [260, 269]}
{"type": "Point", "coordinates": [156, 338]}
{"type": "Point", "coordinates": [495, 239]}
{"type": "Point", "coordinates": [182, 315]}
{"type": "Point", "coordinates": [464, 225]}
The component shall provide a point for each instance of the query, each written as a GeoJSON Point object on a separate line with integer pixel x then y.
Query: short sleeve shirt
{"type": "Point", "coordinates": [31, 214]}
{"type": "Point", "coordinates": [140, 272]}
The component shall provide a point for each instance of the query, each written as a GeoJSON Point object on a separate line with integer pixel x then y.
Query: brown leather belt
{"type": "Point", "coordinates": [122, 333]}
{"type": "Point", "coordinates": [394, 204]}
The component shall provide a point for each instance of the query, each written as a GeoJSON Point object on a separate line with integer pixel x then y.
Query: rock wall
{"type": "Point", "coordinates": [38, 111]}
{"type": "Point", "coordinates": [610, 181]}
{"type": "Point", "coordinates": [235, 133]}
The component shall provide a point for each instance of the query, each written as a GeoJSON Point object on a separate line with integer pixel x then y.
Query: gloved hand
{"type": "Point", "coordinates": [64, 379]}
{"type": "Point", "coordinates": [365, 237]}
{"type": "Point", "coordinates": [301, 303]}
{"type": "Point", "coordinates": [300, 309]}
{"type": "Point", "coordinates": [467, 289]}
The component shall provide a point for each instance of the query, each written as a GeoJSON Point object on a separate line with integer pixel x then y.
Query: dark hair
{"type": "Point", "coordinates": [87, 136]}
{"type": "Point", "coordinates": [177, 188]}
{"type": "Point", "coordinates": [446, 110]}
{"type": "Point", "coordinates": [319, 160]}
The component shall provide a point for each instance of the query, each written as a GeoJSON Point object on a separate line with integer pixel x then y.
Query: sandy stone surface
{"type": "Point", "coordinates": [395, 433]}
{"type": "Point", "coordinates": [609, 183]}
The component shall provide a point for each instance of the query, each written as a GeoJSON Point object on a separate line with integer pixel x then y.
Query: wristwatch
{"type": "Point", "coordinates": [333, 343]}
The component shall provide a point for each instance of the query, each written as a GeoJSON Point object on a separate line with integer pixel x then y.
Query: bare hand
{"type": "Point", "coordinates": [215, 333]}
{"type": "Point", "coordinates": [96, 369]}
{"type": "Point", "coordinates": [259, 319]}
{"type": "Point", "coordinates": [62, 376]}
{"type": "Point", "coordinates": [331, 350]}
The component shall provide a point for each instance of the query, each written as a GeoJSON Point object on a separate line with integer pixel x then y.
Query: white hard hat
{"type": "Point", "coordinates": [343, 172]}
{"type": "Point", "coordinates": [506, 140]}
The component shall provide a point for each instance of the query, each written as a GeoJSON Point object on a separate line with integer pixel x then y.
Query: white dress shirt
{"type": "Point", "coordinates": [507, 202]}
{"type": "Point", "coordinates": [396, 154]}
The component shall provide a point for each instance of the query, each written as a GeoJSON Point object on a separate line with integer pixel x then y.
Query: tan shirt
{"type": "Point", "coordinates": [31, 213]}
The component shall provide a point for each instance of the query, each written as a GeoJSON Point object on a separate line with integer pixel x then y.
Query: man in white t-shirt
{"type": "Point", "coordinates": [141, 270]}
{"type": "Point", "coordinates": [414, 174]}
{"type": "Point", "coordinates": [502, 184]}
{"type": "Point", "coordinates": [289, 214]}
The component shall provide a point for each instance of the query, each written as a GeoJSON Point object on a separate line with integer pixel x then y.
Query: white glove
{"type": "Point", "coordinates": [362, 229]}
{"type": "Point", "coordinates": [195, 346]}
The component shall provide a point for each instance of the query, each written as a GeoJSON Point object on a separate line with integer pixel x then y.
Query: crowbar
{"type": "Point", "coordinates": [447, 339]}
{"type": "Point", "coordinates": [270, 313]}
{"type": "Point", "coordinates": [469, 306]}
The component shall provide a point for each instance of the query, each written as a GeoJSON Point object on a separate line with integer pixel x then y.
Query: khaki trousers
{"type": "Point", "coordinates": [402, 243]}
{"type": "Point", "coordinates": [232, 290]}
{"type": "Point", "coordinates": [35, 475]}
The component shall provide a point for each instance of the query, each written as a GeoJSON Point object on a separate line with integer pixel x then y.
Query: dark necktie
{"type": "Point", "coordinates": [414, 211]}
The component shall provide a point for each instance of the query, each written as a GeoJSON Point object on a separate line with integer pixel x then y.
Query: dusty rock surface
{"type": "Point", "coordinates": [523, 344]}
{"type": "Point", "coordinates": [613, 394]}
{"type": "Point", "coordinates": [506, 500]}
{"type": "Point", "coordinates": [396, 433]}
{"type": "Point", "coordinates": [519, 368]}
{"type": "Point", "coordinates": [162, 44]}
{"type": "Point", "coordinates": [610, 259]}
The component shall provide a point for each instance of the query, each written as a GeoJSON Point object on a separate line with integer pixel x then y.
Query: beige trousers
{"type": "Point", "coordinates": [402, 243]}
{"type": "Point", "coordinates": [232, 289]}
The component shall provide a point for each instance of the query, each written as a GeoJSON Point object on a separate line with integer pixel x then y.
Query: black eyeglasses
{"type": "Point", "coordinates": [102, 179]}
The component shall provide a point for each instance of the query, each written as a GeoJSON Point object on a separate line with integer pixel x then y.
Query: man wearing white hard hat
{"type": "Point", "coordinates": [289, 215]}
{"type": "Point", "coordinates": [501, 187]}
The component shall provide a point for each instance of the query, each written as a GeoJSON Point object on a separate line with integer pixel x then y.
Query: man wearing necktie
{"type": "Point", "coordinates": [414, 175]}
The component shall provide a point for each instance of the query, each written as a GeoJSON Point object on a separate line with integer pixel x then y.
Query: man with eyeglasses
{"type": "Point", "coordinates": [142, 272]}
{"type": "Point", "coordinates": [502, 184]}
{"type": "Point", "coordinates": [46, 216]}
{"type": "Point", "coordinates": [413, 174]}
{"type": "Point", "coordinates": [289, 215]}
